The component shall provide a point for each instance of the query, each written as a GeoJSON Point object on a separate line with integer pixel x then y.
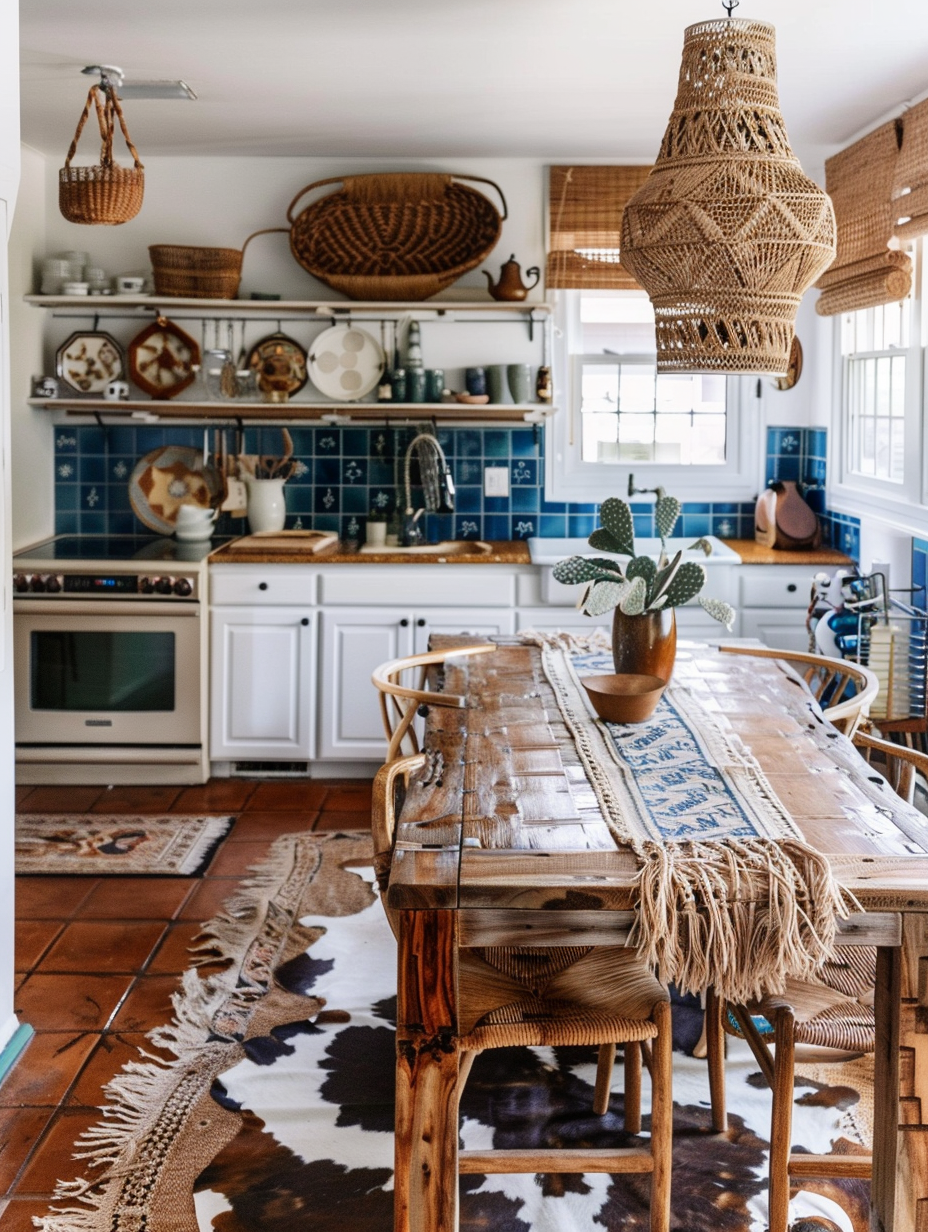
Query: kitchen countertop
{"type": "Point", "coordinates": [502, 553]}
{"type": "Point", "coordinates": [752, 553]}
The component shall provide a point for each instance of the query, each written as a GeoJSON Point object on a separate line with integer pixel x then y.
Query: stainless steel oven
{"type": "Point", "coordinates": [110, 662]}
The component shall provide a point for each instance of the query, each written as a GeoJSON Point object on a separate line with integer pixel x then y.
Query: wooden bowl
{"type": "Point", "coordinates": [626, 698]}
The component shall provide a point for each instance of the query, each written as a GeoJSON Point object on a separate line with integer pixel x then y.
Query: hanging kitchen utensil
{"type": "Point", "coordinates": [163, 359]}
{"type": "Point", "coordinates": [107, 194]}
{"type": "Point", "coordinates": [281, 365]}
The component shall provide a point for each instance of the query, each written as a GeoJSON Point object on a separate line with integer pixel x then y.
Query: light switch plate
{"type": "Point", "coordinates": [496, 481]}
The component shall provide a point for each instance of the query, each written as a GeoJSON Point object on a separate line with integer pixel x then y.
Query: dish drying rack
{"type": "Point", "coordinates": [892, 640]}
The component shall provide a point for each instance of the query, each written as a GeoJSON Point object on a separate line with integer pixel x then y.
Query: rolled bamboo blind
{"type": "Point", "coordinates": [865, 272]}
{"type": "Point", "coordinates": [910, 181]}
{"type": "Point", "coordinates": [585, 207]}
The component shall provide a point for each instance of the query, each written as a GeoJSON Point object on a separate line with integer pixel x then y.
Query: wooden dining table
{"type": "Point", "coordinates": [501, 842]}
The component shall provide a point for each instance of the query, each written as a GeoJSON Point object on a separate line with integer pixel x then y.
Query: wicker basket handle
{"type": "Point", "coordinates": [105, 119]}
{"type": "Point", "coordinates": [264, 231]}
{"type": "Point", "coordinates": [338, 179]}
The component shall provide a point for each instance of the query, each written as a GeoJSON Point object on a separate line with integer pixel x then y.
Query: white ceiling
{"type": "Point", "coordinates": [552, 79]}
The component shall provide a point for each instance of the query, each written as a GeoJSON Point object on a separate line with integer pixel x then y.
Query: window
{"type": "Point", "coordinates": [619, 415]}
{"type": "Point", "coordinates": [878, 463]}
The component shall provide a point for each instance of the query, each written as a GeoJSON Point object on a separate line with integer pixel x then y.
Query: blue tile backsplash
{"type": "Point", "coordinates": [343, 473]}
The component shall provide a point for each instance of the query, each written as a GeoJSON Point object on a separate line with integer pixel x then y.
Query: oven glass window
{"type": "Point", "coordinates": [102, 671]}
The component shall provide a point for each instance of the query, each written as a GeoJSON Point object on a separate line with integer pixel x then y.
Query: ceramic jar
{"type": "Point", "coordinates": [267, 505]}
{"type": "Point", "coordinates": [646, 644]}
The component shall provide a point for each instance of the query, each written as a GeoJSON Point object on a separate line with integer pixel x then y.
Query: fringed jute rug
{"type": "Point", "coordinates": [277, 1114]}
{"type": "Point", "coordinates": [114, 844]}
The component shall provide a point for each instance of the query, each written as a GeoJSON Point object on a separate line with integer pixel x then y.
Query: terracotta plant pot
{"type": "Point", "coordinates": [645, 644]}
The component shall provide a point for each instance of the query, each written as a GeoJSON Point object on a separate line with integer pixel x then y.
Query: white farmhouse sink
{"type": "Point", "coordinates": [550, 551]}
{"type": "Point", "coordinates": [720, 583]}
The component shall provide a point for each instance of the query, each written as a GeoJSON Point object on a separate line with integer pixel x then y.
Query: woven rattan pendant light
{"type": "Point", "coordinates": [727, 232]}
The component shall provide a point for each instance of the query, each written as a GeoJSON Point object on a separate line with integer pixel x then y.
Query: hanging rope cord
{"type": "Point", "coordinates": [108, 112]}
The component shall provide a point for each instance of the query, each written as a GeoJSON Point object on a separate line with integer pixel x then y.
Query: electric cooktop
{"type": "Point", "coordinates": [105, 548]}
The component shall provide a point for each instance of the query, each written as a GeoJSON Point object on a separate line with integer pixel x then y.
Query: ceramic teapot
{"type": "Point", "coordinates": [510, 285]}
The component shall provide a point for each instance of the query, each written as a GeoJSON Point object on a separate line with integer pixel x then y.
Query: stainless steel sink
{"type": "Point", "coordinates": [447, 547]}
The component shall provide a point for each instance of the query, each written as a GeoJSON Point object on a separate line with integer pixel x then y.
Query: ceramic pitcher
{"type": "Point", "coordinates": [267, 505]}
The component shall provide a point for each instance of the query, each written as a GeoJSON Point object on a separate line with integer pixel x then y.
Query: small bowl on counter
{"type": "Point", "coordinates": [625, 698]}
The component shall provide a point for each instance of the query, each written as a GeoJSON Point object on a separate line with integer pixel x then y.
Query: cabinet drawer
{"type": "Point", "coordinates": [774, 586]}
{"type": "Point", "coordinates": [417, 585]}
{"type": "Point", "coordinates": [267, 585]}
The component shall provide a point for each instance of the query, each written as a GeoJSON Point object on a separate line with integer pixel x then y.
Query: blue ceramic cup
{"type": "Point", "coordinates": [476, 381]}
{"type": "Point", "coordinates": [415, 385]}
{"type": "Point", "coordinates": [434, 384]}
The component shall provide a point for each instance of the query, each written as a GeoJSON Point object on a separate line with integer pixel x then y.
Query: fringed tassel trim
{"type": "Point", "coordinates": [739, 916]}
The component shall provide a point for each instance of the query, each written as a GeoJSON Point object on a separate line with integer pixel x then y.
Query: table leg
{"type": "Point", "coordinates": [427, 1065]}
{"type": "Point", "coordinates": [886, 1089]}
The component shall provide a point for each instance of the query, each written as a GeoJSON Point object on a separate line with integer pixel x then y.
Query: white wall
{"type": "Point", "coordinates": [32, 431]}
{"type": "Point", "coordinates": [9, 182]}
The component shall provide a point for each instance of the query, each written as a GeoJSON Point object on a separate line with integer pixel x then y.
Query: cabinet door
{"type": "Point", "coordinates": [354, 642]}
{"type": "Point", "coordinates": [263, 683]}
{"type": "Point", "coordinates": [781, 630]}
{"type": "Point", "coordinates": [482, 621]}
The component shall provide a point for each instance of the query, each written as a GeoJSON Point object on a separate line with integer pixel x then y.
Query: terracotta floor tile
{"type": "Point", "coordinates": [207, 898]}
{"type": "Point", "coordinates": [235, 859]}
{"type": "Point", "coordinates": [104, 946]}
{"type": "Point", "coordinates": [255, 826]}
{"type": "Point", "coordinates": [147, 1005]}
{"type": "Point", "coordinates": [131, 800]}
{"type": "Point", "coordinates": [53, 1159]}
{"type": "Point", "coordinates": [70, 1002]}
{"type": "Point", "coordinates": [173, 955]}
{"type": "Point", "coordinates": [295, 794]}
{"type": "Point", "coordinates": [343, 821]}
{"type": "Point", "coordinates": [60, 799]}
{"type": "Point", "coordinates": [51, 898]}
{"type": "Point", "coordinates": [33, 937]}
{"type": "Point", "coordinates": [216, 796]}
{"type": "Point", "coordinates": [111, 1054]}
{"type": "Point", "coordinates": [353, 799]}
{"type": "Point", "coordinates": [135, 898]}
{"type": "Point", "coordinates": [42, 1075]}
{"type": "Point", "coordinates": [20, 1129]}
{"type": "Point", "coordinates": [17, 1217]}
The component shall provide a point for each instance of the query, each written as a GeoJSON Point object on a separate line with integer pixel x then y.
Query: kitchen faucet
{"type": "Point", "coordinates": [633, 491]}
{"type": "Point", "coordinates": [437, 485]}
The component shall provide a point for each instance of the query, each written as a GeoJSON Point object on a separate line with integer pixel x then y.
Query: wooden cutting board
{"type": "Point", "coordinates": [302, 541]}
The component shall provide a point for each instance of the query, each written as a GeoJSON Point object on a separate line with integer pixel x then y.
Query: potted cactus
{"type": "Point", "coordinates": [643, 592]}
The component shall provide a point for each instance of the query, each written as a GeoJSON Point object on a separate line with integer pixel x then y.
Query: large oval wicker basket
{"type": "Point", "coordinates": [397, 236]}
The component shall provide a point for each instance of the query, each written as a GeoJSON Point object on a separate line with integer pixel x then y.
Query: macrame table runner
{"type": "Point", "coordinates": [731, 896]}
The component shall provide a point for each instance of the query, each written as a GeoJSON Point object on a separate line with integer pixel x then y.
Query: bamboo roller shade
{"type": "Point", "coordinates": [585, 207]}
{"type": "Point", "coordinates": [910, 182]}
{"type": "Point", "coordinates": [865, 272]}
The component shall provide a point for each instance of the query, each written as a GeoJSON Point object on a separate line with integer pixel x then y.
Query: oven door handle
{"type": "Point", "coordinates": [103, 608]}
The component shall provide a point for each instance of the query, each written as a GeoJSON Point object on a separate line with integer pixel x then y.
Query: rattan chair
{"type": "Point", "coordinates": [559, 997]}
{"type": "Point", "coordinates": [844, 690]}
{"type": "Point", "coordinates": [400, 703]}
{"type": "Point", "coordinates": [835, 1011]}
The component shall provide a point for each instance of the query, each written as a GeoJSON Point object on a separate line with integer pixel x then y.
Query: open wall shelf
{"type": "Point", "coordinates": [230, 412]}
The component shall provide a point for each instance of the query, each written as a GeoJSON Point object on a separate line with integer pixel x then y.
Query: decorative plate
{"type": "Point", "coordinates": [162, 359]}
{"type": "Point", "coordinates": [345, 362]}
{"type": "Point", "coordinates": [87, 362]}
{"type": "Point", "coordinates": [280, 364]}
{"type": "Point", "coordinates": [170, 477]}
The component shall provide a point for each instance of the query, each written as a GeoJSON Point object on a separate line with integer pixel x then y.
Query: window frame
{"type": "Point", "coordinates": [569, 478]}
{"type": "Point", "coordinates": [902, 503]}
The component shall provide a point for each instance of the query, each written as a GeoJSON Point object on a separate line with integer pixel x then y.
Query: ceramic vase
{"type": "Point", "coordinates": [645, 645]}
{"type": "Point", "coordinates": [267, 505]}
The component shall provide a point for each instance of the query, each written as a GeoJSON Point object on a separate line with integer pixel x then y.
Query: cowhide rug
{"type": "Point", "coordinates": [278, 1112]}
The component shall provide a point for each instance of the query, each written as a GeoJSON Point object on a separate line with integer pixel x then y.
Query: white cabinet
{"type": "Point", "coordinates": [263, 683]}
{"type": "Point", "coordinates": [772, 604]}
{"type": "Point", "coordinates": [354, 641]}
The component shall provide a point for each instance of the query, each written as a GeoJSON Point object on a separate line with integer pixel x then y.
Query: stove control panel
{"type": "Point", "coordinates": [106, 585]}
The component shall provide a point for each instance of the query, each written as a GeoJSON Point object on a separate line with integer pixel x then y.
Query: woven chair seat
{"type": "Point", "coordinates": [548, 1024]}
{"type": "Point", "coordinates": [826, 1016]}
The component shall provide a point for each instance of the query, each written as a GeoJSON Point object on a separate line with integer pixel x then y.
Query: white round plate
{"type": "Point", "coordinates": [345, 362]}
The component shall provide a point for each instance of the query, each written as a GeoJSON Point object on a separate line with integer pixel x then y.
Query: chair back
{"type": "Point", "coordinates": [400, 702]}
{"type": "Point", "coordinates": [898, 765]}
{"type": "Point", "coordinates": [844, 690]}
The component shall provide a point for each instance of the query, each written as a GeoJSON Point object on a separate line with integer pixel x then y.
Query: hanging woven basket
{"type": "Point", "coordinates": [107, 194]}
{"type": "Point", "coordinates": [397, 236]}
